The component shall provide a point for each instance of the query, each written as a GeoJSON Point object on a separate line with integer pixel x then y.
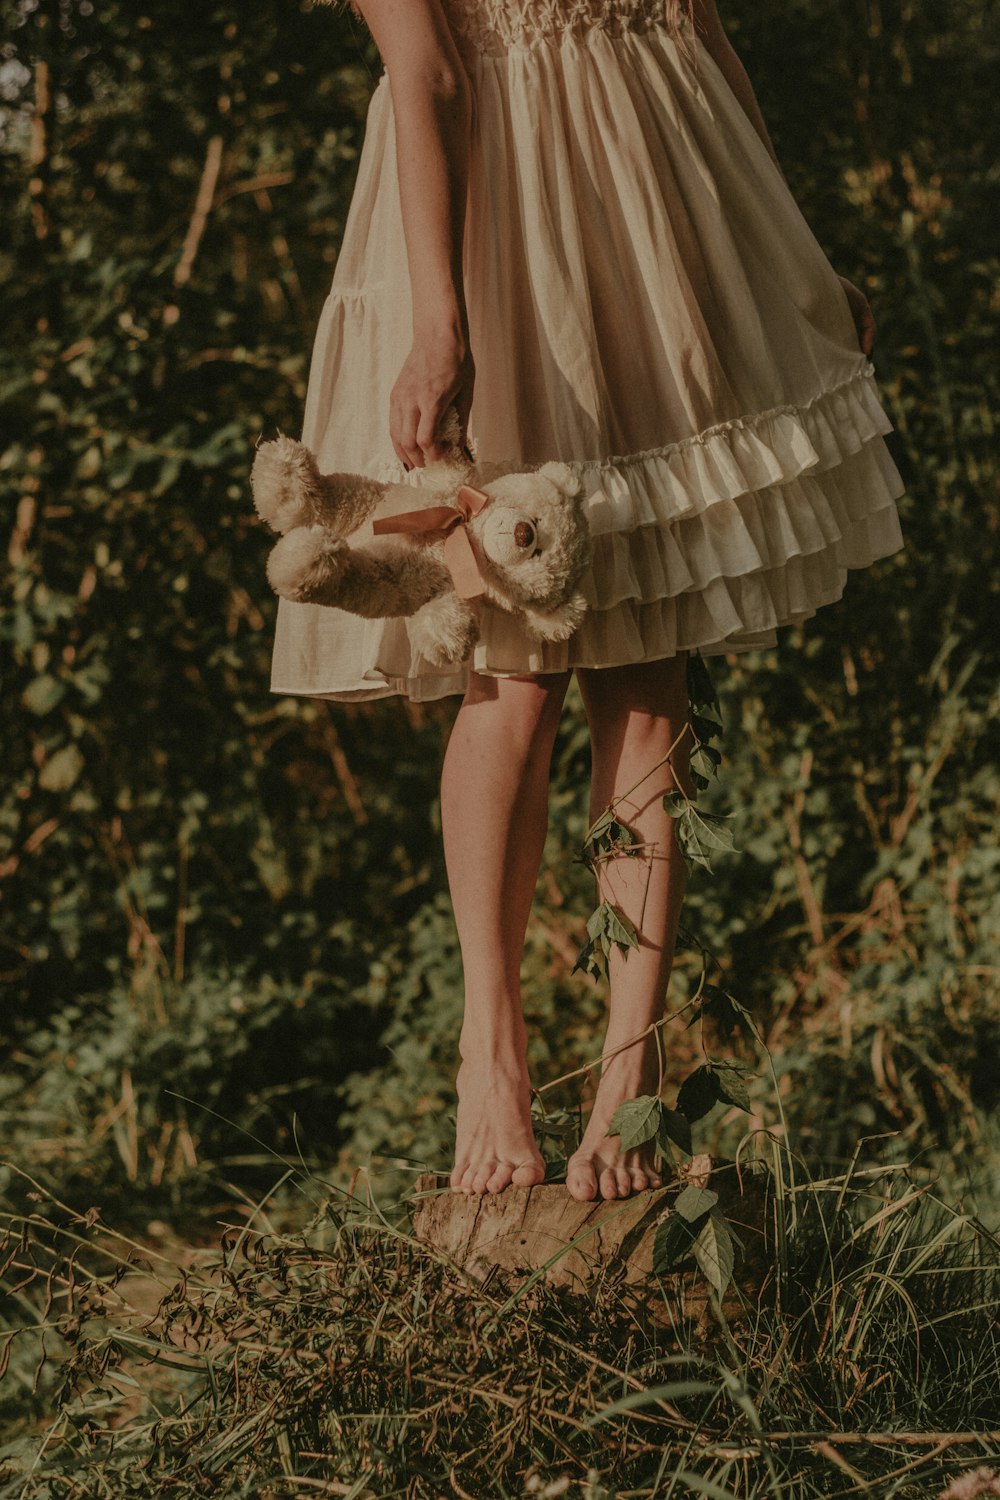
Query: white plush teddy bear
{"type": "Point", "coordinates": [522, 542]}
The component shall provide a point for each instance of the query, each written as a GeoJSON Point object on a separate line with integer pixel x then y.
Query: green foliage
{"type": "Point", "coordinates": [607, 928]}
{"type": "Point", "coordinates": [607, 836]}
{"type": "Point", "coordinates": [173, 834]}
{"type": "Point", "coordinates": [154, 1094]}
{"type": "Point", "coordinates": [699, 834]}
{"type": "Point", "coordinates": [636, 1121]}
{"type": "Point", "coordinates": [694, 1229]}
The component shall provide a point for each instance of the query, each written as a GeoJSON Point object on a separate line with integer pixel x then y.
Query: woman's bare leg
{"type": "Point", "coordinates": [494, 812]}
{"type": "Point", "coordinates": [635, 714]}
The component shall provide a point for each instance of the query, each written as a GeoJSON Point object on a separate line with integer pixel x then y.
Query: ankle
{"type": "Point", "coordinates": [633, 1071]}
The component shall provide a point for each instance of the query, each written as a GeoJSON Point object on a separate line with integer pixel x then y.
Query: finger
{"type": "Point", "coordinates": [396, 433]}
{"type": "Point", "coordinates": [463, 406]}
{"type": "Point", "coordinates": [403, 431]}
{"type": "Point", "coordinates": [426, 436]}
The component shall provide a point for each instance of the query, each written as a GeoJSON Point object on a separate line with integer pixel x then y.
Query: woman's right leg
{"type": "Point", "coordinates": [494, 812]}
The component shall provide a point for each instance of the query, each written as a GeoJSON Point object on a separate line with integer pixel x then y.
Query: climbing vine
{"type": "Point", "coordinates": [693, 1228]}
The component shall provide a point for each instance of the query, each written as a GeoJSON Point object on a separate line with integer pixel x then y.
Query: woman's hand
{"type": "Point", "coordinates": [864, 320]}
{"type": "Point", "coordinates": [439, 371]}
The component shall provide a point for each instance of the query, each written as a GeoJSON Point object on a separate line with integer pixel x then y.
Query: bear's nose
{"type": "Point", "coordinates": [524, 534]}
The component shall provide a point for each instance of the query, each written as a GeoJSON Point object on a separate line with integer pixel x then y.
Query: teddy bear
{"type": "Point", "coordinates": [521, 542]}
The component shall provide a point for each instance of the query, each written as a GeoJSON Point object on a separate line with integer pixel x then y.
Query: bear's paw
{"type": "Point", "coordinates": [306, 563]}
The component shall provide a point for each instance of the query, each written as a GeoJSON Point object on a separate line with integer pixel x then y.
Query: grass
{"type": "Point", "coordinates": [344, 1357]}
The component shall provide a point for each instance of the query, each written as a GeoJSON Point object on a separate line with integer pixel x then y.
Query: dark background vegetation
{"type": "Point", "coordinates": [224, 929]}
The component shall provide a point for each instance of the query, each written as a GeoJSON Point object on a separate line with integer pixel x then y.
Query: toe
{"type": "Point", "coordinates": [527, 1174]}
{"type": "Point", "coordinates": [483, 1174]}
{"type": "Point", "coordinates": [581, 1179]}
{"type": "Point", "coordinates": [499, 1179]}
{"type": "Point", "coordinates": [609, 1183]}
{"type": "Point", "coordinates": [458, 1177]}
{"type": "Point", "coordinates": [623, 1177]}
{"type": "Point", "coordinates": [640, 1182]}
{"type": "Point", "coordinates": [469, 1180]}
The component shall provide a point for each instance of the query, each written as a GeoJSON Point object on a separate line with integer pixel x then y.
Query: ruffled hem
{"type": "Point", "coordinates": [730, 616]}
{"type": "Point", "coordinates": [738, 457]}
{"type": "Point", "coordinates": [721, 576]}
{"type": "Point", "coordinates": [755, 532]}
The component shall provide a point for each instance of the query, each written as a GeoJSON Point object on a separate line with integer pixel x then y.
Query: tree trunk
{"type": "Point", "coordinates": [499, 1239]}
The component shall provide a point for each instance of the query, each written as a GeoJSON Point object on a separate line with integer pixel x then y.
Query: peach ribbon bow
{"type": "Point", "coordinates": [448, 521]}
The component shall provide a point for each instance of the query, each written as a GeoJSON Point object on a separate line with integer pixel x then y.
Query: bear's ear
{"type": "Point", "coordinates": [561, 475]}
{"type": "Point", "coordinates": [556, 624]}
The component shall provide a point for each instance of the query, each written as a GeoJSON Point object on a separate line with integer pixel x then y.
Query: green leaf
{"type": "Point", "coordinates": [723, 1008]}
{"type": "Point", "coordinates": [607, 836]}
{"type": "Point", "coordinates": [731, 1087]}
{"type": "Point", "coordinates": [588, 962]}
{"type": "Point", "coordinates": [61, 770]}
{"type": "Point", "coordinates": [674, 1127]}
{"type": "Point", "coordinates": [599, 830]}
{"type": "Point", "coordinates": [636, 1121]}
{"type": "Point", "coordinates": [619, 929]}
{"type": "Point", "coordinates": [621, 835]}
{"type": "Point", "coordinates": [705, 729]}
{"type": "Point", "coordinates": [693, 1202]}
{"type": "Point", "coordinates": [713, 1250]}
{"type": "Point", "coordinates": [42, 694]}
{"type": "Point", "coordinates": [607, 928]}
{"type": "Point", "coordinates": [702, 834]}
{"type": "Point", "coordinates": [705, 762]}
{"type": "Point", "coordinates": [673, 1243]}
{"type": "Point", "coordinates": [697, 1094]}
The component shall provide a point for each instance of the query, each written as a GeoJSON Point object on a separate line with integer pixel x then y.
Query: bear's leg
{"type": "Point", "coordinates": [445, 630]}
{"type": "Point", "coordinates": [379, 579]}
{"type": "Point", "coordinates": [289, 491]}
{"type": "Point", "coordinates": [284, 480]}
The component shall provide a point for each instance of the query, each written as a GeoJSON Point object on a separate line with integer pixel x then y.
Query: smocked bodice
{"type": "Point", "coordinates": [496, 26]}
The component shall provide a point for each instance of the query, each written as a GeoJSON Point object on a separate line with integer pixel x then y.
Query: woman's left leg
{"type": "Point", "coordinates": [636, 714]}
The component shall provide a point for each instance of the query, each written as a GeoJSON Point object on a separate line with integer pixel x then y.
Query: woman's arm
{"type": "Point", "coordinates": [712, 33]}
{"type": "Point", "coordinates": [432, 108]}
{"type": "Point", "coordinates": [710, 29]}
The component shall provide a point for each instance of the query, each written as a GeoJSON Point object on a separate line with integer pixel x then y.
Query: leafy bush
{"type": "Point", "coordinates": [177, 182]}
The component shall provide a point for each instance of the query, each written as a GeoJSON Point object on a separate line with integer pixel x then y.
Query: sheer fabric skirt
{"type": "Point", "coordinates": [648, 304]}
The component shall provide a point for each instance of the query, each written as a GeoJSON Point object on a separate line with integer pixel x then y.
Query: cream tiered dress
{"type": "Point", "coordinates": [647, 303]}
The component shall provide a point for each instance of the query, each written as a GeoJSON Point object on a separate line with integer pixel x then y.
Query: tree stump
{"type": "Point", "coordinates": [587, 1249]}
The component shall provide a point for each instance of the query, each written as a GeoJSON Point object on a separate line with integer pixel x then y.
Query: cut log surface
{"type": "Point", "coordinates": [587, 1247]}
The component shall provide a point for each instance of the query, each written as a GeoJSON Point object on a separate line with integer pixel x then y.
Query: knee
{"type": "Point", "coordinates": [520, 714]}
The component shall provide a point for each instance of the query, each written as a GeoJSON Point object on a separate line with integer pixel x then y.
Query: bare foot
{"type": "Point", "coordinates": [599, 1168]}
{"type": "Point", "coordinates": [494, 1143]}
